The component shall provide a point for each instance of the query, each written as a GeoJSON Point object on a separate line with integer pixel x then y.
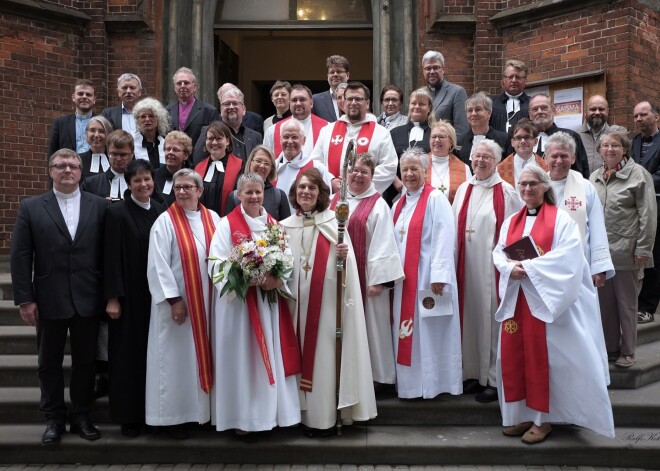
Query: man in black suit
{"type": "Point", "coordinates": [512, 104]}
{"type": "Point", "coordinates": [232, 110]}
{"type": "Point", "coordinates": [60, 233]}
{"type": "Point", "coordinates": [189, 114]}
{"type": "Point", "coordinates": [646, 152]}
{"type": "Point", "coordinates": [111, 184]}
{"type": "Point", "coordinates": [129, 89]}
{"type": "Point", "coordinates": [325, 103]}
{"type": "Point", "coordinates": [543, 116]}
{"type": "Point", "coordinates": [68, 132]}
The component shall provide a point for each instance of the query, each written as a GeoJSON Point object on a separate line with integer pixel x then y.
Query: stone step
{"type": "Point", "coordinates": [21, 370]}
{"type": "Point", "coordinates": [9, 314]}
{"type": "Point", "coordinates": [631, 408]}
{"type": "Point", "coordinates": [360, 444]}
{"type": "Point", "coordinates": [5, 286]}
{"type": "Point", "coordinates": [645, 371]}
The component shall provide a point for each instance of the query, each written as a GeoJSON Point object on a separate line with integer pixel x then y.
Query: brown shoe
{"type": "Point", "coordinates": [625, 361]}
{"type": "Point", "coordinates": [517, 430]}
{"type": "Point", "coordinates": [532, 437]}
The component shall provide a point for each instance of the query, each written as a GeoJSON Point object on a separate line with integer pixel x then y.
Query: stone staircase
{"type": "Point", "coordinates": [445, 431]}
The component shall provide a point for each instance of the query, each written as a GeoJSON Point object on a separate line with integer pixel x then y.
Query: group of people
{"type": "Point", "coordinates": [418, 288]}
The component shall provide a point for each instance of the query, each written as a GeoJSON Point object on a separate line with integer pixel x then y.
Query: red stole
{"type": "Point", "coordinates": [232, 172]}
{"type": "Point", "coordinates": [337, 144]}
{"type": "Point", "coordinates": [498, 206]}
{"type": "Point", "coordinates": [193, 284]}
{"type": "Point", "coordinates": [357, 231]}
{"type": "Point", "coordinates": [410, 269]}
{"type": "Point", "coordinates": [240, 231]}
{"type": "Point", "coordinates": [317, 125]}
{"type": "Point", "coordinates": [314, 311]}
{"type": "Point", "coordinates": [523, 343]}
{"type": "Point", "coordinates": [456, 175]}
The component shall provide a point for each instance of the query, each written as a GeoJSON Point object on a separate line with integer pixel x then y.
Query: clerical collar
{"type": "Point", "coordinates": [116, 174]}
{"type": "Point", "coordinates": [142, 205]}
{"type": "Point", "coordinates": [438, 158]}
{"type": "Point", "coordinates": [83, 117]}
{"type": "Point", "coordinates": [534, 211]}
{"type": "Point", "coordinates": [308, 214]}
{"type": "Point", "coordinates": [66, 196]}
{"type": "Point", "coordinates": [514, 96]}
{"type": "Point", "coordinates": [418, 191]}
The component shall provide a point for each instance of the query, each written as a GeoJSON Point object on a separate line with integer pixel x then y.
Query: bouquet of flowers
{"type": "Point", "coordinates": [252, 260]}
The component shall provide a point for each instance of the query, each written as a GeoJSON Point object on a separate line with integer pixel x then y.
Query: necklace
{"type": "Point", "coordinates": [441, 179]}
{"type": "Point", "coordinates": [469, 230]}
{"type": "Point", "coordinates": [402, 231]}
{"type": "Point", "coordinates": [307, 253]}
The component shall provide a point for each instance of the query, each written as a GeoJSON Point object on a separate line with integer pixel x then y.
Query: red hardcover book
{"type": "Point", "coordinates": [523, 249]}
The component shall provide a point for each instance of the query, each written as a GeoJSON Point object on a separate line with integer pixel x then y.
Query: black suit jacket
{"type": "Point", "coordinates": [202, 114]}
{"type": "Point", "coordinates": [99, 184]}
{"type": "Point", "coordinates": [498, 118]}
{"type": "Point", "coordinates": [581, 160]}
{"type": "Point", "coordinates": [251, 138]}
{"type": "Point", "coordinates": [62, 134]}
{"type": "Point", "coordinates": [500, 137]}
{"type": "Point", "coordinates": [67, 272]}
{"type": "Point", "coordinates": [253, 121]}
{"type": "Point", "coordinates": [323, 107]}
{"type": "Point", "coordinates": [651, 160]}
{"type": "Point", "coordinates": [113, 115]}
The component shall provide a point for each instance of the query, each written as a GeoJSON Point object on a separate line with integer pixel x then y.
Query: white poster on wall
{"type": "Point", "coordinates": [568, 107]}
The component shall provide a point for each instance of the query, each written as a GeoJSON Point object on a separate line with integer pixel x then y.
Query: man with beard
{"type": "Point", "coordinates": [595, 123]}
{"type": "Point", "coordinates": [448, 98]}
{"type": "Point", "coordinates": [68, 131]}
{"type": "Point", "coordinates": [542, 115]}
{"type": "Point", "coordinates": [357, 124]}
{"type": "Point", "coordinates": [512, 104]}
{"type": "Point", "coordinates": [129, 90]}
{"type": "Point", "coordinates": [326, 105]}
{"type": "Point", "coordinates": [646, 152]}
{"type": "Point", "coordinates": [301, 109]}
{"type": "Point", "coordinates": [189, 114]}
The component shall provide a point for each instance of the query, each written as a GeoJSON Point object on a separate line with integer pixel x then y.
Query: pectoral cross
{"type": "Point", "coordinates": [469, 232]}
{"type": "Point", "coordinates": [402, 231]}
{"type": "Point", "coordinates": [442, 187]}
{"type": "Point", "coordinates": [307, 267]}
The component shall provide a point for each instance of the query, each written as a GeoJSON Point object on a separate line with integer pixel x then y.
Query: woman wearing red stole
{"type": "Point", "coordinates": [549, 367]}
{"type": "Point", "coordinates": [313, 241]}
{"type": "Point", "coordinates": [255, 346]}
{"type": "Point", "coordinates": [179, 361]}
{"type": "Point", "coordinates": [220, 170]}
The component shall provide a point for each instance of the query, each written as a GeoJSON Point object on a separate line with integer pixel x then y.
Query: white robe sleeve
{"type": "Point", "coordinates": [383, 261]}
{"type": "Point", "coordinates": [162, 281]}
{"type": "Point", "coordinates": [598, 249]}
{"type": "Point", "coordinates": [269, 139]}
{"type": "Point", "coordinates": [443, 237]}
{"type": "Point", "coordinates": [387, 161]}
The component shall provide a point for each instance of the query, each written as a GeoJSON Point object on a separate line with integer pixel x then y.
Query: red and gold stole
{"type": "Point", "coordinates": [523, 343]}
{"type": "Point", "coordinates": [240, 231]}
{"type": "Point", "coordinates": [193, 284]}
{"type": "Point", "coordinates": [498, 206]}
{"type": "Point", "coordinates": [357, 230]}
{"type": "Point", "coordinates": [337, 144]}
{"type": "Point", "coordinates": [317, 125]}
{"type": "Point", "coordinates": [232, 172]}
{"type": "Point", "coordinates": [456, 174]}
{"type": "Point", "coordinates": [314, 311]}
{"type": "Point", "coordinates": [506, 170]}
{"type": "Point", "coordinates": [410, 269]}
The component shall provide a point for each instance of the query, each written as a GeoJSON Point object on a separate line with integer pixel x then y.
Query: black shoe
{"type": "Point", "coordinates": [178, 432]}
{"type": "Point", "coordinates": [130, 430]}
{"type": "Point", "coordinates": [488, 395]}
{"type": "Point", "coordinates": [100, 386]}
{"type": "Point", "coordinates": [310, 432]}
{"type": "Point", "coordinates": [86, 430]}
{"type": "Point", "coordinates": [53, 434]}
{"type": "Point", "coordinates": [472, 386]}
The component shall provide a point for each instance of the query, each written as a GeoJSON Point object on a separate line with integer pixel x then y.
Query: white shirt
{"type": "Point", "coordinates": [69, 204]}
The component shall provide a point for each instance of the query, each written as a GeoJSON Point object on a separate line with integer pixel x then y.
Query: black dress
{"type": "Point", "coordinates": [125, 277]}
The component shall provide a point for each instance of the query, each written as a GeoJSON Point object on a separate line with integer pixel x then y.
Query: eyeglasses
{"type": "Point", "coordinates": [433, 68]}
{"type": "Point", "coordinates": [185, 188]}
{"type": "Point", "coordinates": [517, 77]}
{"type": "Point", "coordinates": [173, 149]}
{"type": "Point", "coordinates": [354, 99]}
{"type": "Point", "coordinates": [530, 185]}
{"type": "Point", "coordinates": [523, 138]}
{"type": "Point", "coordinates": [484, 158]}
{"type": "Point", "coordinates": [439, 136]}
{"type": "Point", "coordinates": [611, 146]}
{"type": "Point", "coordinates": [474, 110]}
{"type": "Point", "coordinates": [231, 104]}
{"type": "Point", "coordinates": [120, 155]}
{"type": "Point", "coordinates": [362, 173]}
{"type": "Point", "coordinates": [62, 167]}
{"type": "Point", "coordinates": [262, 163]}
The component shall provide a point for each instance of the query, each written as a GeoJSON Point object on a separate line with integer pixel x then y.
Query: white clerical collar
{"type": "Point", "coordinates": [439, 160]}
{"type": "Point", "coordinates": [65, 196]}
{"type": "Point", "coordinates": [116, 174]}
{"type": "Point", "coordinates": [514, 96]}
{"type": "Point", "coordinates": [415, 193]}
{"type": "Point", "coordinates": [488, 182]}
{"type": "Point", "coordinates": [99, 160]}
{"type": "Point", "coordinates": [142, 205]}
